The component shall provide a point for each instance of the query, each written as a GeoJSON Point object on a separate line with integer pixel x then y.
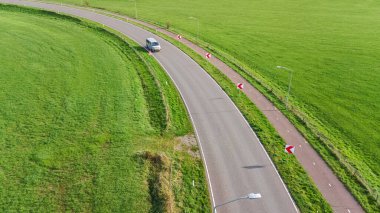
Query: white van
{"type": "Point", "coordinates": [152, 45]}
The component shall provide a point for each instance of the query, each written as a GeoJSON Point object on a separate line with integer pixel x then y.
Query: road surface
{"type": "Point", "coordinates": [235, 161]}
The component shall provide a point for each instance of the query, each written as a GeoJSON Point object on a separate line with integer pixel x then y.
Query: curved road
{"type": "Point", "coordinates": [235, 160]}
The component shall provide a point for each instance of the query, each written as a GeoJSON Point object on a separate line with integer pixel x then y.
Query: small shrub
{"type": "Point", "coordinates": [86, 3]}
{"type": "Point", "coordinates": [168, 24]}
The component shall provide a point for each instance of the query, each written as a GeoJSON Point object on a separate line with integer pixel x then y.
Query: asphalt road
{"type": "Point", "coordinates": [236, 162]}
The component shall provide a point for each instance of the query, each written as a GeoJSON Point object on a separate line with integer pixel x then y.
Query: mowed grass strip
{"type": "Point", "coordinates": [331, 45]}
{"type": "Point", "coordinates": [74, 116]}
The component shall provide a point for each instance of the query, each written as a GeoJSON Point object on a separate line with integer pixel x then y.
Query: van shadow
{"type": "Point", "coordinates": [253, 167]}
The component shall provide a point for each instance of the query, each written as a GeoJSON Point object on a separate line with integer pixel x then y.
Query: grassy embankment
{"type": "Point", "coordinates": [88, 124]}
{"type": "Point", "coordinates": [331, 45]}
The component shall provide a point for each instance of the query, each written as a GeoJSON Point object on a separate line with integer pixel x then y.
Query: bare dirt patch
{"type": "Point", "coordinates": [188, 143]}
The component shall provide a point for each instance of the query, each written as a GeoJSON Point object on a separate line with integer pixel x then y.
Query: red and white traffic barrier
{"type": "Point", "coordinates": [240, 86]}
{"type": "Point", "coordinates": [289, 149]}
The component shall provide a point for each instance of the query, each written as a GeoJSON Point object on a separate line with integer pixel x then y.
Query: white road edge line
{"type": "Point", "coordinates": [270, 160]}
{"type": "Point", "coordinates": [228, 97]}
{"type": "Point", "coordinates": [188, 112]}
{"type": "Point", "coordinates": [196, 133]}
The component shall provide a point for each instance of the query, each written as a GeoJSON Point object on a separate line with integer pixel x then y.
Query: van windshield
{"type": "Point", "coordinates": [155, 44]}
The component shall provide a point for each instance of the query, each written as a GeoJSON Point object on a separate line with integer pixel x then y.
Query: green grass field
{"type": "Point", "coordinates": [77, 129]}
{"type": "Point", "coordinates": [332, 46]}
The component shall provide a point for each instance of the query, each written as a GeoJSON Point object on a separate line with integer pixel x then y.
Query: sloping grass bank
{"type": "Point", "coordinates": [74, 113]}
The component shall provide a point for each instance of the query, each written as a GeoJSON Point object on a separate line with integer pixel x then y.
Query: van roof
{"type": "Point", "coordinates": [151, 40]}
